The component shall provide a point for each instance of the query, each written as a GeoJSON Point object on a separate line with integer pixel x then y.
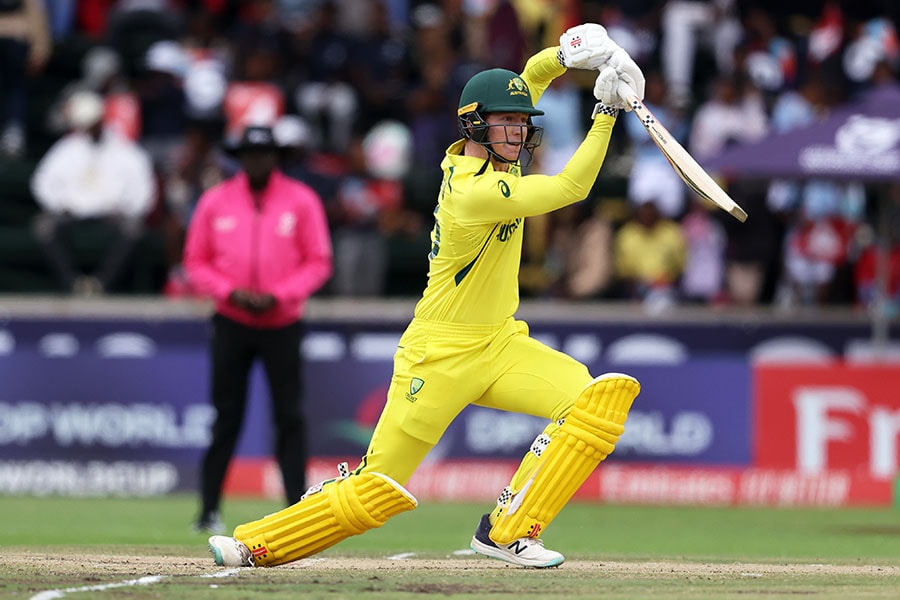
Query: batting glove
{"type": "Point", "coordinates": [585, 47]}
{"type": "Point", "coordinates": [606, 90]}
{"type": "Point", "coordinates": [628, 72]}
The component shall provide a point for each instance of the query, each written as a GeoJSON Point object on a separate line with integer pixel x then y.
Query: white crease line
{"type": "Point", "coordinates": [51, 594]}
{"type": "Point", "coordinates": [402, 556]}
{"type": "Point", "coordinates": [151, 579]}
{"type": "Point", "coordinates": [225, 573]}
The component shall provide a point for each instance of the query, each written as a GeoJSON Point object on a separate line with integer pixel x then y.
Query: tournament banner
{"type": "Point", "coordinates": [120, 406]}
{"type": "Point", "coordinates": [697, 412]}
{"type": "Point", "coordinates": [819, 419]}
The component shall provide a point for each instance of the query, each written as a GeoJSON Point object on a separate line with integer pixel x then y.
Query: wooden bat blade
{"type": "Point", "coordinates": [682, 162]}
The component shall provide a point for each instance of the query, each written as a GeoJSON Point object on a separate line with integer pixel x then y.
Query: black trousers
{"type": "Point", "coordinates": [233, 350]}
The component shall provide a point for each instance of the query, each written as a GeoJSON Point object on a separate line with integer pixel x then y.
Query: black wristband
{"type": "Point", "coordinates": [605, 109]}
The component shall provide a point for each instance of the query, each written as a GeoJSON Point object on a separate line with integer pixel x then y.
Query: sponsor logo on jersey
{"type": "Point", "coordinates": [506, 230]}
{"type": "Point", "coordinates": [504, 188]}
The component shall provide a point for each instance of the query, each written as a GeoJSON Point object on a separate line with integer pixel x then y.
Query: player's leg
{"type": "Point", "coordinates": [231, 356]}
{"type": "Point", "coordinates": [544, 382]}
{"type": "Point", "coordinates": [280, 353]}
{"type": "Point", "coordinates": [424, 396]}
{"type": "Point", "coordinates": [330, 513]}
{"type": "Point", "coordinates": [588, 435]}
{"type": "Point", "coordinates": [336, 509]}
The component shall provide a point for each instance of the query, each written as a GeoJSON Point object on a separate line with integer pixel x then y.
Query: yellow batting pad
{"type": "Point", "coordinates": [345, 507]}
{"type": "Point", "coordinates": [588, 436]}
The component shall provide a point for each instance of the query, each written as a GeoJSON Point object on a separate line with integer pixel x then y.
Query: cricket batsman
{"type": "Point", "coordinates": [464, 345]}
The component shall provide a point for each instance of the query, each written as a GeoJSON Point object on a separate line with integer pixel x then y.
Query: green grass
{"type": "Point", "coordinates": [604, 535]}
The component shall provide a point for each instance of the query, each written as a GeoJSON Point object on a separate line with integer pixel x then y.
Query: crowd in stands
{"type": "Point", "coordinates": [362, 95]}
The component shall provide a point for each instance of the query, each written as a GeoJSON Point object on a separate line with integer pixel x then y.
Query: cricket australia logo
{"type": "Point", "coordinates": [517, 87]}
{"type": "Point", "coordinates": [415, 385]}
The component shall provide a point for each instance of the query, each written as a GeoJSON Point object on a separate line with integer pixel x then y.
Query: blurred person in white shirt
{"type": "Point", "coordinates": [735, 113]}
{"type": "Point", "coordinates": [91, 175]}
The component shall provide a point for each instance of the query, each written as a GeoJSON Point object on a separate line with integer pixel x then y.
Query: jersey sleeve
{"type": "Point", "coordinates": [540, 70]}
{"type": "Point", "coordinates": [496, 196]}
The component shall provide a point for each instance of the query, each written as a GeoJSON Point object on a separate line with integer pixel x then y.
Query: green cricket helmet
{"type": "Point", "coordinates": [492, 91]}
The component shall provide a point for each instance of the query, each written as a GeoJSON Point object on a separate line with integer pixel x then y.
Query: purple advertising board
{"type": "Point", "coordinates": [120, 406]}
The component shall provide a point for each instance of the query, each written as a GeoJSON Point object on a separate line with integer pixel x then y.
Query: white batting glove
{"type": "Point", "coordinates": [585, 46]}
{"type": "Point", "coordinates": [606, 88]}
{"type": "Point", "coordinates": [628, 71]}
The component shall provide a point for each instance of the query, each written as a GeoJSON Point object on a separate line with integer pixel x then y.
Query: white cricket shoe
{"type": "Point", "coordinates": [228, 552]}
{"type": "Point", "coordinates": [525, 552]}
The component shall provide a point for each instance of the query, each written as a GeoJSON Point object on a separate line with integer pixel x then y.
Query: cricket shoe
{"type": "Point", "coordinates": [228, 552]}
{"type": "Point", "coordinates": [525, 552]}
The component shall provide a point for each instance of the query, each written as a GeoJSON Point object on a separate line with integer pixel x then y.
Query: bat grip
{"type": "Point", "coordinates": [626, 93]}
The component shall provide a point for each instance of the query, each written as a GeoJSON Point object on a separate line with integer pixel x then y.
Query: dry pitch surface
{"type": "Point", "coordinates": [80, 575]}
{"type": "Point", "coordinates": [112, 566]}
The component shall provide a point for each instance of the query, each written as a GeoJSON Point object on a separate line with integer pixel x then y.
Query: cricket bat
{"type": "Point", "coordinates": [684, 164]}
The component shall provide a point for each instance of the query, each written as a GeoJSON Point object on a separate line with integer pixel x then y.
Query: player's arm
{"type": "Point", "coordinates": [496, 196]}
{"type": "Point", "coordinates": [540, 70]}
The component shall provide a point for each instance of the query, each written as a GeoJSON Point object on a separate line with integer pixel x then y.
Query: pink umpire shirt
{"type": "Point", "coordinates": [281, 247]}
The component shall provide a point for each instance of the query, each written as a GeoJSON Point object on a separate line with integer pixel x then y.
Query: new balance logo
{"type": "Point", "coordinates": [517, 547]}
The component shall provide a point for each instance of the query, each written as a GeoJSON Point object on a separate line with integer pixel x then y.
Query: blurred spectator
{"type": "Point", "coordinates": [765, 56]}
{"type": "Point", "coordinates": [704, 270]}
{"type": "Point", "coordinates": [103, 73]}
{"type": "Point", "coordinates": [261, 31]}
{"type": "Point", "coordinates": [687, 23]}
{"type": "Point", "coordinates": [61, 17]}
{"type": "Point", "coordinates": [380, 69]}
{"type": "Point", "coordinates": [874, 41]}
{"type": "Point", "coordinates": [820, 214]}
{"type": "Point", "coordinates": [505, 44]}
{"type": "Point", "coordinates": [204, 40]}
{"type": "Point", "coordinates": [210, 60]}
{"type": "Point", "coordinates": [252, 99]}
{"type": "Point", "coordinates": [649, 254]}
{"type": "Point", "coordinates": [652, 177]}
{"type": "Point", "coordinates": [735, 113]}
{"type": "Point", "coordinates": [753, 251]}
{"type": "Point", "coordinates": [368, 209]}
{"type": "Point", "coordinates": [562, 123]}
{"type": "Point", "coordinates": [325, 97]}
{"type": "Point", "coordinates": [578, 255]}
{"type": "Point", "coordinates": [866, 276]}
{"type": "Point", "coordinates": [817, 249]}
{"type": "Point", "coordinates": [298, 158]}
{"type": "Point", "coordinates": [199, 164]}
{"type": "Point", "coordinates": [131, 27]}
{"type": "Point", "coordinates": [160, 92]}
{"type": "Point", "coordinates": [258, 245]}
{"type": "Point", "coordinates": [92, 175]}
{"type": "Point", "coordinates": [440, 74]}
{"type": "Point", "coordinates": [25, 47]}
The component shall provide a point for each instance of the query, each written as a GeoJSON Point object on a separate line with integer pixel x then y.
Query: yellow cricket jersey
{"type": "Point", "coordinates": [477, 236]}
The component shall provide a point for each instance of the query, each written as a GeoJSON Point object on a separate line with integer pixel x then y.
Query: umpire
{"type": "Point", "coordinates": [258, 245]}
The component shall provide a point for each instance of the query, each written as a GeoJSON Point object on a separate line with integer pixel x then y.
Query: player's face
{"type": "Point", "coordinates": [507, 132]}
